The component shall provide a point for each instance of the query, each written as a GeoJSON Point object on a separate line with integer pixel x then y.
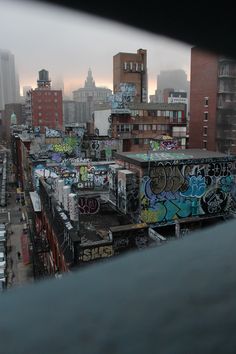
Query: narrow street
{"type": "Point", "coordinates": [18, 273]}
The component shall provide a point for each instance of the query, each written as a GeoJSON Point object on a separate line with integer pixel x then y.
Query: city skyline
{"type": "Point", "coordinates": [67, 43]}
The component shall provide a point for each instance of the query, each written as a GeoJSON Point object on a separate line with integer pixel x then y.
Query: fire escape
{"type": "Point", "coordinates": [41, 250]}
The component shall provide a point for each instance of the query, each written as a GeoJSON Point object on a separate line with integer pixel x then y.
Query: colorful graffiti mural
{"type": "Point", "coordinates": [68, 146]}
{"type": "Point", "coordinates": [170, 192]}
{"type": "Point", "coordinates": [123, 96]}
{"type": "Point", "coordinates": [93, 176]}
{"type": "Point", "coordinates": [156, 145]}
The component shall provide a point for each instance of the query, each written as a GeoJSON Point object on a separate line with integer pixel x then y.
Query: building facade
{"type": "Point", "coordinates": [12, 108]}
{"type": "Point", "coordinates": [146, 122]}
{"type": "Point", "coordinates": [131, 68]}
{"type": "Point", "coordinates": [74, 112]}
{"type": "Point", "coordinates": [212, 102]}
{"type": "Point", "coordinates": [90, 95]}
{"type": "Point", "coordinates": [9, 83]}
{"type": "Point", "coordinates": [44, 105]}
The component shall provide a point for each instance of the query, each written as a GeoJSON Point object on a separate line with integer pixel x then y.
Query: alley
{"type": "Point", "coordinates": [19, 272]}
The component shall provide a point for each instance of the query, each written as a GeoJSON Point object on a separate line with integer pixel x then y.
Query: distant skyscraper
{"type": "Point", "coordinates": [131, 68]}
{"type": "Point", "coordinates": [177, 79]}
{"type": "Point", "coordinates": [171, 80]}
{"type": "Point", "coordinates": [9, 83]}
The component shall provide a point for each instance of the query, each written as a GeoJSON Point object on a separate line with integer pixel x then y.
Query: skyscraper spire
{"type": "Point", "coordinates": [89, 83]}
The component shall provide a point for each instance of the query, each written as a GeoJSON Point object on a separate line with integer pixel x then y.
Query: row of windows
{"type": "Point", "coordinates": [47, 101]}
{"type": "Point", "coordinates": [46, 93]}
{"type": "Point", "coordinates": [141, 127]}
{"type": "Point", "coordinates": [48, 114]}
{"type": "Point", "coordinates": [133, 66]}
{"type": "Point", "coordinates": [47, 119]}
{"type": "Point", "coordinates": [159, 113]}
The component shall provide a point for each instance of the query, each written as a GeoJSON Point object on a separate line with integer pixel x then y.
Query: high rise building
{"type": "Point", "coordinates": [131, 68]}
{"type": "Point", "coordinates": [44, 105]}
{"type": "Point", "coordinates": [91, 94]}
{"type": "Point", "coordinates": [9, 83]}
{"type": "Point", "coordinates": [170, 80]}
{"type": "Point", "coordinates": [212, 102]}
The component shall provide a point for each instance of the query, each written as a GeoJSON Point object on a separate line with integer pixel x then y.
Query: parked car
{"type": "Point", "coordinates": [2, 274]}
{"type": "Point", "coordinates": [2, 227]}
{"type": "Point", "coordinates": [2, 260]}
{"type": "Point", "coordinates": [3, 234]}
{"type": "Point", "coordinates": [3, 246]}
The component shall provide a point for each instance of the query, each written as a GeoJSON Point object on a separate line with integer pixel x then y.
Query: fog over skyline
{"type": "Point", "coordinates": [67, 43]}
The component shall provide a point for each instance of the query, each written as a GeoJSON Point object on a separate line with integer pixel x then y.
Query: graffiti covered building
{"type": "Point", "coordinates": [183, 185]}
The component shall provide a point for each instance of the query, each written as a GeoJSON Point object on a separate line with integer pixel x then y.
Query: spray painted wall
{"type": "Point", "coordinates": [169, 191]}
{"type": "Point", "coordinates": [127, 200]}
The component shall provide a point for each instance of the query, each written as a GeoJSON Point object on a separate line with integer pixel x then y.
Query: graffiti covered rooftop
{"type": "Point", "coordinates": [185, 156]}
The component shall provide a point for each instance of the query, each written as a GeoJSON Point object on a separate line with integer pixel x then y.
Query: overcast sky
{"type": "Point", "coordinates": [67, 43]}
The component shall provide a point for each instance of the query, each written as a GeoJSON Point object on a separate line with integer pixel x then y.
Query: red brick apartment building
{"type": "Point", "coordinates": [212, 102]}
{"type": "Point", "coordinates": [131, 68]}
{"type": "Point", "coordinates": [148, 121]}
{"type": "Point", "coordinates": [44, 106]}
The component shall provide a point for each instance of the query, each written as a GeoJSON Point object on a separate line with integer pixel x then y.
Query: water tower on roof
{"type": "Point", "coordinates": [44, 82]}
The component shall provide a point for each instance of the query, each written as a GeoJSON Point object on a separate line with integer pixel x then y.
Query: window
{"type": "Point", "coordinates": [206, 101]}
{"type": "Point", "coordinates": [135, 127]}
{"type": "Point", "coordinates": [204, 130]}
{"type": "Point", "coordinates": [206, 116]}
{"type": "Point", "coordinates": [136, 141]}
{"type": "Point", "coordinates": [204, 144]}
{"type": "Point", "coordinates": [103, 155]}
{"type": "Point", "coordinates": [154, 127]}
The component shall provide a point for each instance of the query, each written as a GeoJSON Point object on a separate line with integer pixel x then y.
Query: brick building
{"type": "Point", "coordinates": [131, 68]}
{"type": "Point", "coordinates": [212, 102]}
{"type": "Point", "coordinates": [146, 122]}
{"type": "Point", "coordinates": [44, 105]}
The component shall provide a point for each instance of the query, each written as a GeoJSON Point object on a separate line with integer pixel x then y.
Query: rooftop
{"type": "Point", "coordinates": [189, 155]}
